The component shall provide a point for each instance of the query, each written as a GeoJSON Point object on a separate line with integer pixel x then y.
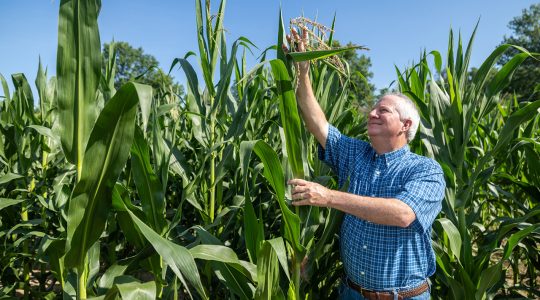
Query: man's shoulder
{"type": "Point", "coordinates": [356, 143]}
{"type": "Point", "coordinates": [424, 163]}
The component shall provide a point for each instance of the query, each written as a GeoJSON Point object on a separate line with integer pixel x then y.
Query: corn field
{"type": "Point", "coordinates": [138, 193]}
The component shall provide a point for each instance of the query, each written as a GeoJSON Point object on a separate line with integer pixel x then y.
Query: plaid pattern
{"type": "Point", "coordinates": [380, 257]}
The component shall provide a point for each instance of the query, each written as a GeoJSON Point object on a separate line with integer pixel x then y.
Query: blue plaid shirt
{"type": "Point", "coordinates": [381, 257]}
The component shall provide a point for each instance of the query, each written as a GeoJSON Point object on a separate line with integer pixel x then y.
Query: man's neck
{"type": "Point", "coordinates": [382, 146]}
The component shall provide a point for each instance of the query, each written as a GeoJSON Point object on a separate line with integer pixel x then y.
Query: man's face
{"type": "Point", "coordinates": [384, 119]}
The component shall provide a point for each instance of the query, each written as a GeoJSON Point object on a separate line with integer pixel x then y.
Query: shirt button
{"type": "Point", "coordinates": [362, 273]}
{"type": "Point", "coordinates": [365, 247]}
{"type": "Point", "coordinates": [372, 195]}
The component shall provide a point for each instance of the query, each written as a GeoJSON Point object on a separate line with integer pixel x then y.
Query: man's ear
{"type": "Point", "coordinates": [406, 125]}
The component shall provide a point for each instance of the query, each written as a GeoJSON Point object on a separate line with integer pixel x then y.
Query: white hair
{"type": "Point", "coordinates": [407, 111]}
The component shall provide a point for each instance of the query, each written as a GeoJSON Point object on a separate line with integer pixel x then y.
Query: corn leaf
{"type": "Point", "coordinates": [320, 54]}
{"type": "Point", "coordinates": [290, 119]}
{"type": "Point", "coordinates": [148, 185]}
{"type": "Point", "coordinates": [78, 69]}
{"type": "Point", "coordinates": [106, 155]}
{"type": "Point", "coordinates": [5, 202]}
{"type": "Point", "coordinates": [178, 258]}
{"type": "Point", "coordinates": [488, 278]}
{"type": "Point", "coordinates": [9, 177]}
{"type": "Point", "coordinates": [281, 38]}
{"type": "Point", "coordinates": [24, 103]}
{"type": "Point", "coordinates": [254, 229]}
{"type": "Point", "coordinates": [515, 238]}
{"type": "Point", "coordinates": [268, 274]}
{"type": "Point", "coordinates": [225, 255]}
{"type": "Point", "coordinates": [514, 121]}
{"type": "Point", "coordinates": [273, 172]}
{"type": "Point", "coordinates": [453, 235]}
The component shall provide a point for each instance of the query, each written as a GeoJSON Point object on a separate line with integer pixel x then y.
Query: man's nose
{"type": "Point", "coordinates": [372, 113]}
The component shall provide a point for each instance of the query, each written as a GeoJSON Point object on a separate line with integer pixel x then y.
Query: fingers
{"type": "Point", "coordinates": [295, 34]}
{"type": "Point", "coordinates": [296, 43]}
{"type": "Point", "coordinates": [297, 181]}
{"type": "Point", "coordinates": [300, 202]}
{"type": "Point", "coordinates": [299, 189]}
{"type": "Point", "coordinates": [303, 195]}
{"type": "Point", "coordinates": [285, 48]}
{"type": "Point", "coordinates": [304, 34]}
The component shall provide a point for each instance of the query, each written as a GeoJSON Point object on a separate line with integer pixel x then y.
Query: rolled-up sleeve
{"type": "Point", "coordinates": [423, 193]}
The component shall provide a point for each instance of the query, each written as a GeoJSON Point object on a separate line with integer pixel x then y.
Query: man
{"type": "Point", "coordinates": [393, 198]}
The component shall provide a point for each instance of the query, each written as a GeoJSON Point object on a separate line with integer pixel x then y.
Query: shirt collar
{"type": "Point", "coordinates": [389, 157]}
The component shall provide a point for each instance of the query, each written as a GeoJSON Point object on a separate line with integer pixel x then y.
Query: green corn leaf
{"type": "Point", "coordinates": [9, 177]}
{"type": "Point", "coordinates": [110, 73]}
{"type": "Point", "coordinates": [268, 274]}
{"type": "Point", "coordinates": [331, 37]}
{"type": "Point", "coordinates": [273, 172]}
{"type": "Point", "coordinates": [148, 185]}
{"type": "Point", "coordinates": [5, 202]}
{"type": "Point", "coordinates": [481, 75]}
{"type": "Point", "coordinates": [468, 53]}
{"type": "Point", "coordinates": [25, 100]}
{"type": "Point", "coordinates": [106, 154]}
{"type": "Point", "coordinates": [178, 258]}
{"type": "Point", "coordinates": [514, 121]}
{"type": "Point", "coordinates": [120, 200]}
{"type": "Point", "coordinates": [203, 49]}
{"type": "Point", "coordinates": [254, 230]}
{"type": "Point", "coordinates": [106, 280]}
{"type": "Point", "coordinates": [233, 280]}
{"type": "Point", "coordinates": [5, 88]}
{"type": "Point", "coordinates": [44, 131]}
{"type": "Point", "coordinates": [437, 59]}
{"type": "Point", "coordinates": [224, 83]}
{"type": "Point", "coordinates": [278, 245]}
{"type": "Point", "coordinates": [458, 71]}
{"type": "Point", "coordinates": [281, 38]}
{"type": "Point", "coordinates": [136, 290]}
{"type": "Point", "coordinates": [130, 288]}
{"type": "Point", "coordinates": [225, 255]}
{"type": "Point", "coordinates": [216, 36]}
{"type": "Point", "coordinates": [503, 77]}
{"type": "Point", "coordinates": [515, 238]}
{"type": "Point", "coordinates": [78, 67]}
{"type": "Point", "coordinates": [488, 279]}
{"type": "Point", "coordinates": [192, 81]}
{"type": "Point", "coordinates": [457, 288]}
{"type": "Point", "coordinates": [331, 228]}
{"type": "Point", "coordinates": [320, 54]}
{"type": "Point", "coordinates": [41, 85]}
{"type": "Point", "coordinates": [290, 120]}
{"type": "Point", "coordinates": [453, 235]}
{"type": "Point", "coordinates": [450, 56]}
{"type": "Point", "coordinates": [145, 102]}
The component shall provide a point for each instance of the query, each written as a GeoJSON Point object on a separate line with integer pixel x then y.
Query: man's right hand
{"type": "Point", "coordinates": [298, 44]}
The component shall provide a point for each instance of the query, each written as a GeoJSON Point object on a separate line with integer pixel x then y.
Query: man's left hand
{"type": "Point", "coordinates": [309, 193]}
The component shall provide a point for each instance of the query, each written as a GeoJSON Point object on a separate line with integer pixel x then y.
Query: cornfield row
{"type": "Point", "coordinates": [140, 193]}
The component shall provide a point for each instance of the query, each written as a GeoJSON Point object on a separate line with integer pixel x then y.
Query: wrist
{"type": "Point", "coordinates": [331, 198]}
{"type": "Point", "coordinates": [303, 77]}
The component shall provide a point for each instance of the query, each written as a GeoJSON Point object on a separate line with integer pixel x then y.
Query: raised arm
{"type": "Point", "coordinates": [311, 111]}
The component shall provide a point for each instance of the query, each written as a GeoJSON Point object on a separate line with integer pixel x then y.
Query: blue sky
{"type": "Point", "coordinates": [395, 31]}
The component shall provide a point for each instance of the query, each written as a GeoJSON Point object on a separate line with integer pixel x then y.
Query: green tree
{"type": "Point", "coordinates": [360, 88]}
{"type": "Point", "coordinates": [526, 33]}
{"type": "Point", "coordinates": [132, 62]}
